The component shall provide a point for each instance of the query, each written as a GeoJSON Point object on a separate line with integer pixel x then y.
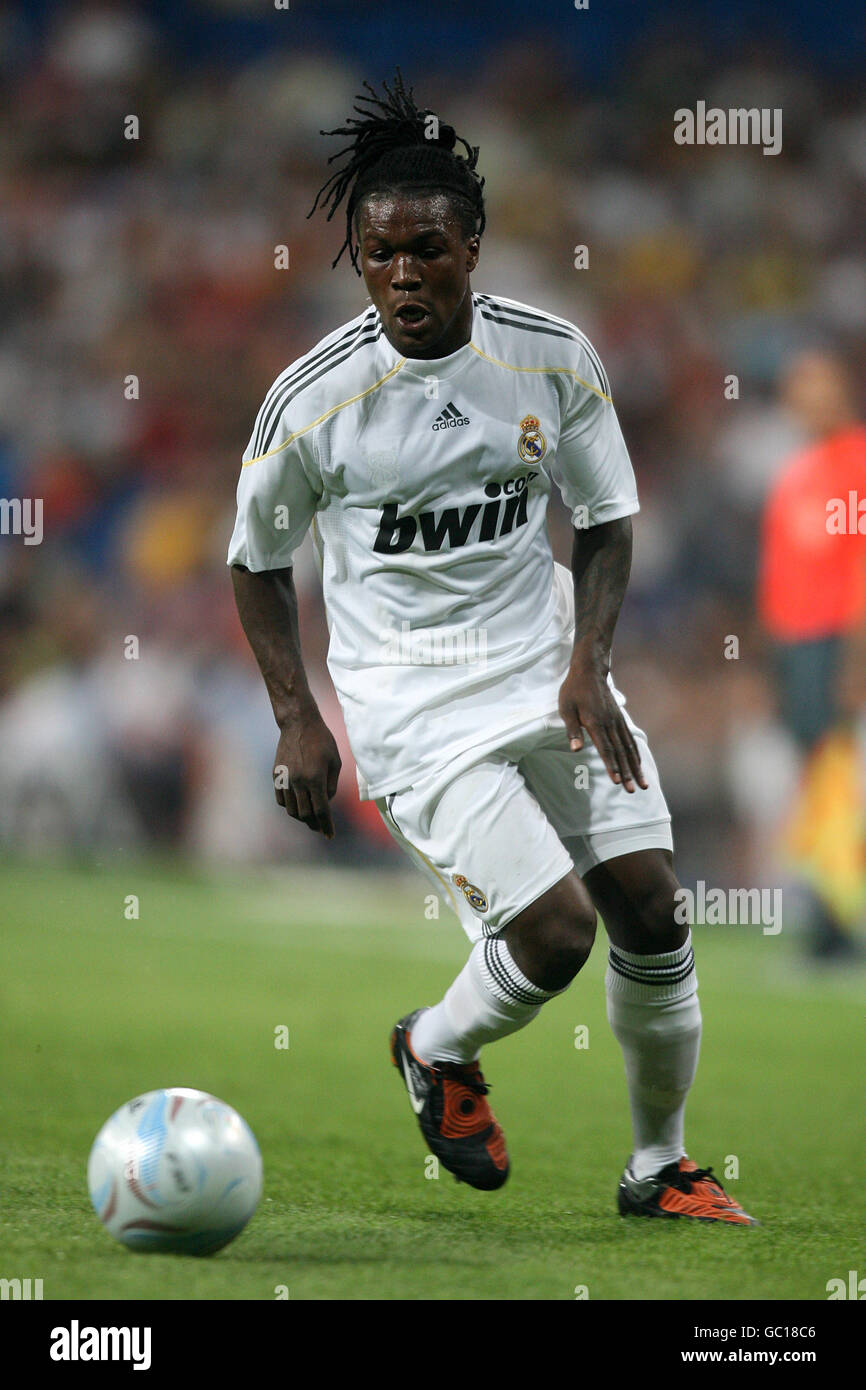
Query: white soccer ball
{"type": "Point", "coordinates": [175, 1171]}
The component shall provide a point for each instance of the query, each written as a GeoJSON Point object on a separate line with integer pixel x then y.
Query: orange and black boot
{"type": "Point", "coordinates": [449, 1102]}
{"type": "Point", "coordinates": [680, 1189]}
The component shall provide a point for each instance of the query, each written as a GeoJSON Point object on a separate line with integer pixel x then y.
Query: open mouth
{"type": "Point", "coordinates": [411, 316]}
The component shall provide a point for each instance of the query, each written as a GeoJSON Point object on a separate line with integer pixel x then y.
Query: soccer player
{"type": "Point", "coordinates": [421, 441]}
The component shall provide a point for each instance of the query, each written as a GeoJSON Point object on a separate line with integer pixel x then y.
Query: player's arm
{"type": "Point", "coordinates": [600, 565]}
{"type": "Point", "coordinates": [278, 494]}
{"type": "Point", "coordinates": [595, 476]}
{"type": "Point", "coordinates": [307, 764]}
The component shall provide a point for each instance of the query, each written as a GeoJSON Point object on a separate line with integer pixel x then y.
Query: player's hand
{"type": "Point", "coordinates": [586, 703]}
{"type": "Point", "coordinates": [306, 769]}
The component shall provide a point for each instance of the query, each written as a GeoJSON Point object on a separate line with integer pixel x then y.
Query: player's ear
{"type": "Point", "coordinates": [473, 251]}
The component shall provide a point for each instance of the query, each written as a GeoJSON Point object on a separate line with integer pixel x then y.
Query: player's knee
{"type": "Point", "coordinates": [564, 941]}
{"type": "Point", "coordinates": [552, 939]}
{"type": "Point", "coordinates": [657, 917]}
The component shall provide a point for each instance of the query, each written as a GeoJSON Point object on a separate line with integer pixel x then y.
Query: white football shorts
{"type": "Point", "coordinates": [495, 832]}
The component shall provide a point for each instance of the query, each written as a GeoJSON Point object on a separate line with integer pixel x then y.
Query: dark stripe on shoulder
{"type": "Point", "coordinates": [534, 315]}
{"type": "Point", "coordinates": [569, 330]}
{"type": "Point", "coordinates": [540, 316]}
{"type": "Point", "coordinates": [370, 337]}
{"type": "Point", "coordinates": [526, 327]}
{"type": "Point", "coordinates": [284, 383]}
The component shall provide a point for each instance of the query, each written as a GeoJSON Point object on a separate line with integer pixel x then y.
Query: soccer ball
{"type": "Point", "coordinates": [175, 1171]}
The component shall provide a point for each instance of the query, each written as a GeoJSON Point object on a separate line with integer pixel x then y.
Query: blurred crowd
{"type": "Point", "coordinates": [142, 319]}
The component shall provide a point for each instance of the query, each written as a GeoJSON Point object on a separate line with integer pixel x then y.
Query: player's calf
{"type": "Point", "coordinates": [505, 982]}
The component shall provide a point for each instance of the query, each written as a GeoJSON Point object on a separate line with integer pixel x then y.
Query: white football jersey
{"type": "Point", "coordinates": [426, 483]}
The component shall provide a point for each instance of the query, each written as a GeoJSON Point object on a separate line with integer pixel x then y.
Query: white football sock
{"type": "Point", "coordinates": [489, 999]}
{"type": "Point", "coordinates": [652, 1006]}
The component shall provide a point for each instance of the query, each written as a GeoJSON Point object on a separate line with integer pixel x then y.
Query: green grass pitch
{"type": "Point", "coordinates": [97, 1008]}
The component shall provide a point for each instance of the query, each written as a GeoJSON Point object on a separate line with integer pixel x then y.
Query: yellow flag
{"type": "Point", "coordinates": [825, 836]}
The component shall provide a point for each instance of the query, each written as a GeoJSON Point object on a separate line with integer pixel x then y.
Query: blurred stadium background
{"type": "Point", "coordinates": [155, 257]}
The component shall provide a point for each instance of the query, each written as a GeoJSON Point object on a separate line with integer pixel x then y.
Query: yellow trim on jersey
{"type": "Point", "coordinates": [334, 408]}
{"type": "Point", "coordinates": [508, 367]}
{"type": "Point", "coordinates": [421, 855]}
{"type": "Point", "coordinates": [432, 867]}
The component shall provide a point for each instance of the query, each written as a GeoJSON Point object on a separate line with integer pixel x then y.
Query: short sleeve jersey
{"type": "Point", "coordinates": [426, 484]}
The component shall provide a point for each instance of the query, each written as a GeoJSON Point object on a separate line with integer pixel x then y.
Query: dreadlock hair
{"type": "Point", "coordinates": [391, 148]}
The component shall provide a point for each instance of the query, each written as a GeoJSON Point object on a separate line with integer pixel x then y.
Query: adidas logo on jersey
{"type": "Point", "coordinates": [452, 527]}
{"type": "Point", "coordinates": [450, 419]}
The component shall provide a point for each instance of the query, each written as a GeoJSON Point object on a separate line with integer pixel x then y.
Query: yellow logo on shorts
{"type": "Point", "coordinates": [532, 445]}
{"type": "Point", "coordinates": [473, 895]}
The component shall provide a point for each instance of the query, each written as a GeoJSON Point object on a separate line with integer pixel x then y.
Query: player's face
{"type": "Point", "coordinates": [416, 265]}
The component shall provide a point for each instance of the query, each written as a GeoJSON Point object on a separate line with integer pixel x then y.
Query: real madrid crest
{"type": "Point", "coordinates": [532, 445]}
{"type": "Point", "coordinates": [473, 895]}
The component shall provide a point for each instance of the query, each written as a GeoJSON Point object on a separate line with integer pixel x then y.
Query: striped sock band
{"type": "Point", "coordinates": [670, 975]}
{"type": "Point", "coordinates": [490, 998]}
{"type": "Point", "coordinates": [502, 978]}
